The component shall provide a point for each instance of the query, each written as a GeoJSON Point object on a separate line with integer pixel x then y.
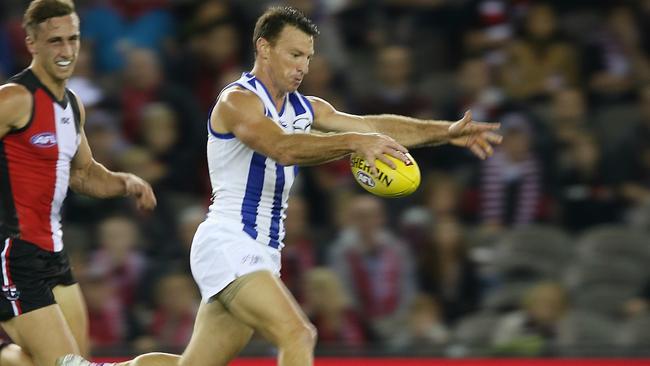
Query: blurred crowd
{"type": "Point", "coordinates": [540, 250]}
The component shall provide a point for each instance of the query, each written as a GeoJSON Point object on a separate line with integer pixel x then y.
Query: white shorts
{"type": "Point", "coordinates": [221, 253]}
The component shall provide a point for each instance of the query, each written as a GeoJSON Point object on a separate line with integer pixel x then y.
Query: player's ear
{"type": "Point", "coordinates": [30, 42]}
{"type": "Point", "coordinates": [263, 47]}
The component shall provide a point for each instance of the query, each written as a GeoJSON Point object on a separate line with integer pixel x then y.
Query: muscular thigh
{"type": "Point", "coordinates": [43, 333]}
{"type": "Point", "coordinates": [73, 307]}
{"type": "Point", "coordinates": [217, 338]}
{"type": "Point", "coordinates": [261, 300]}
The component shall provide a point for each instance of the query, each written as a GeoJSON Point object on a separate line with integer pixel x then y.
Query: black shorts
{"type": "Point", "coordinates": [29, 274]}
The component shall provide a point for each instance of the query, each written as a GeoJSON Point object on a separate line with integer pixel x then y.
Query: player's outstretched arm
{"type": "Point", "coordinates": [91, 178]}
{"type": "Point", "coordinates": [411, 132]}
{"type": "Point", "coordinates": [241, 112]}
{"type": "Point", "coordinates": [15, 107]}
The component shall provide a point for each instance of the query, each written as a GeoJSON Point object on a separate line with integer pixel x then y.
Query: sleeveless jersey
{"type": "Point", "coordinates": [35, 167]}
{"type": "Point", "coordinates": [250, 190]}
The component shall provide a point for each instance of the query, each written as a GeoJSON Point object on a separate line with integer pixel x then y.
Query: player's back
{"type": "Point", "coordinates": [35, 166]}
{"type": "Point", "coordinates": [250, 190]}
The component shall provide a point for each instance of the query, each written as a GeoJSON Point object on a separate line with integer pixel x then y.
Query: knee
{"type": "Point", "coordinates": [302, 333]}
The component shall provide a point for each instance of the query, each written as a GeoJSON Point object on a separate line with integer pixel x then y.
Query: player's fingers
{"type": "Point", "coordinates": [398, 154]}
{"type": "Point", "coordinates": [493, 138]}
{"type": "Point", "coordinates": [467, 117]}
{"type": "Point", "coordinates": [399, 147]}
{"type": "Point", "coordinates": [487, 148]}
{"type": "Point", "coordinates": [476, 149]}
{"type": "Point", "coordinates": [387, 161]}
{"type": "Point", "coordinates": [371, 163]}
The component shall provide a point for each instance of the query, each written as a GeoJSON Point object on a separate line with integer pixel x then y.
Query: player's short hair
{"type": "Point", "coordinates": [270, 24]}
{"type": "Point", "coordinates": [42, 10]}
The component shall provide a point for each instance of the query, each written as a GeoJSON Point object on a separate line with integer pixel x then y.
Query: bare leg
{"type": "Point", "coordinates": [43, 333]}
{"type": "Point", "coordinates": [13, 355]}
{"type": "Point", "coordinates": [264, 303]}
{"type": "Point", "coordinates": [217, 338]}
{"type": "Point", "coordinates": [73, 306]}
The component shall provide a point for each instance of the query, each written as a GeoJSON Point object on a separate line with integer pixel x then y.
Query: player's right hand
{"type": "Point", "coordinates": [142, 192]}
{"type": "Point", "coordinates": [375, 146]}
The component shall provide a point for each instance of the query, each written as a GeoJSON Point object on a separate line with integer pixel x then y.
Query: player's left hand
{"type": "Point", "coordinates": [142, 192]}
{"type": "Point", "coordinates": [476, 136]}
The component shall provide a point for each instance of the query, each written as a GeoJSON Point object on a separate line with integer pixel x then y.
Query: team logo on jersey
{"type": "Point", "coordinates": [44, 139]}
{"type": "Point", "coordinates": [10, 292]}
{"type": "Point", "coordinates": [301, 124]}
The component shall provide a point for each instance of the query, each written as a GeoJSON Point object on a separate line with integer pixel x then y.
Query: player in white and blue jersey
{"type": "Point", "coordinates": [260, 129]}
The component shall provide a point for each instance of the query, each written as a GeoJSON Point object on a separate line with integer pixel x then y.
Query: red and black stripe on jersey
{"type": "Point", "coordinates": [35, 166]}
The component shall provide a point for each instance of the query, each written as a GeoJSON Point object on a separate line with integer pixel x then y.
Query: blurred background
{"type": "Point", "coordinates": [542, 250]}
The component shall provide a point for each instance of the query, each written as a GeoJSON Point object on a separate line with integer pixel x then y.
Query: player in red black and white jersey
{"type": "Point", "coordinates": [43, 151]}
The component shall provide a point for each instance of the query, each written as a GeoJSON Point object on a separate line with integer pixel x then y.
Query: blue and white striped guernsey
{"type": "Point", "coordinates": [250, 190]}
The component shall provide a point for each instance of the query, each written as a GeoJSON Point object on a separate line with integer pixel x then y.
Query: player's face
{"type": "Point", "coordinates": [289, 58]}
{"type": "Point", "coordinates": [55, 46]}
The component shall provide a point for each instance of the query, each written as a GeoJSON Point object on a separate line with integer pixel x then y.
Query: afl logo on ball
{"type": "Point", "coordinates": [45, 139]}
{"type": "Point", "coordinates": [365, 179]}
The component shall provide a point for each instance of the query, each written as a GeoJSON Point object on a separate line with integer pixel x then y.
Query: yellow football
{"type": "Point", "coordinates": [388, 182]}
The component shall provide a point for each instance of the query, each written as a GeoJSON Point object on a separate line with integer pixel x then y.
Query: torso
{"type": "Point", "coordinates": [35, 166]}
{"type": "Point", "coordinates": [250, 190]}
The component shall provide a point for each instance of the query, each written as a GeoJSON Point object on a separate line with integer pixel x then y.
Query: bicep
{"type": "Point", "coordinates": [243, 115]}
{"type": "Point", "coordinates": [328, 119]}
{"type": "Point", "coordinates": [83, 157]}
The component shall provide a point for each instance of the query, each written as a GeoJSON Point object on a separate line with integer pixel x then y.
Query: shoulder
{"type": "Point", "coordinates": [15, 93]}
{"type": "Point", "coordinates": [15, 105]}
{"type": "Point", "coordinates": [240, 100]}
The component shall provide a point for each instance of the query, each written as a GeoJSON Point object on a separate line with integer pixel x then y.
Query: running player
{"type": "Point", "coordinates": [43, 151]}
{"type": "Point", "coordinates": [258, 132]}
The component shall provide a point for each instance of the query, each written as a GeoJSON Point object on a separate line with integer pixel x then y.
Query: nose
{"type": "Point", "coordinates": [303, 67]}
{"type": "Point", "coordinates": [67, 50]}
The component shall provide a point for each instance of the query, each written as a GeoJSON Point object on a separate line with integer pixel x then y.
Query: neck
{"type": "Point", "coordinates": [264, 76]}
{"type": "Point", "coordinates": [57, 88]}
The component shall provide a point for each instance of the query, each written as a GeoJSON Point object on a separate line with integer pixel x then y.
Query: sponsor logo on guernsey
{"type": "Point", "coordinates": [44, 139]}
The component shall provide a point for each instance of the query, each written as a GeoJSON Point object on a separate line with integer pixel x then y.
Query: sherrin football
{"type": "Point", "coordinates": [389, 182]}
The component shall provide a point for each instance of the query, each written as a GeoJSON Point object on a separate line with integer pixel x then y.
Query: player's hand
{"type": "Point", "coordinates": [373, 146]}
{"type": "Point", "coordinates": [137, 188]}
{"type": "Point", "coordinates": [476, 136]}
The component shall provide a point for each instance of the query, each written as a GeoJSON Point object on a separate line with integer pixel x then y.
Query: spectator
{"type": "Point", "coordinates": [329, 308]}
{"type": "Point", "coordinates": [115, 27]}
{"type": "Point", "coordinates": [119, 256]}
{"type": "Point", "coordinates": [587, 196]}
{"type": "Point", "coordinates": [107, 315]}
{"type": "Point", "coordinates": [171, 323]}
{"type": "Point", "coordinates": [532, 330]}
{"type": "Point", "coordinates": [446, 272]}
{"type": "Point", "coordinates": [395, 92]}
{"type": "Point", "coordinates": [375, 266]}
{"type": "Point", "coordinates": [540, 58]}
{"type": "Point", "coordinates": [633, 156]}
{"type": "Point", "coordinates": [614, 60]}
{"type": "Point", "coordinates": [425, 327]}
{"type": "Point", "coordinates": [511, 183]}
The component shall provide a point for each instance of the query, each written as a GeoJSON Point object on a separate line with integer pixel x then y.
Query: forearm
{"type": "Point", "coordinates": [97, 181]}
{"type": "Point", "coordinates": [410, 132]}
{"type": "Point", "coordinates": [313, 149]}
